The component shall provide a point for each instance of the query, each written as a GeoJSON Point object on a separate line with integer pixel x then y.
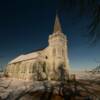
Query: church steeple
{"type": "Point", "coordinates": [57, 25]}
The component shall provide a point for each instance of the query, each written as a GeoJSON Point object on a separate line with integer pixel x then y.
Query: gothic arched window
{"type": "Point", "coordinates": [33, 67]}
{"type": "Point", "coordinates": [44, 67]}
{"type": "Point", "coordinates": [63, 52]}
{"type": "Point", "coordinates": [23, 68]}
{"type": "Point", "coordinates": [30, 67]}
{"type": "Point", "coordinates": [54, 52]}
{"type": "Point", "coordinates": [17, 67]}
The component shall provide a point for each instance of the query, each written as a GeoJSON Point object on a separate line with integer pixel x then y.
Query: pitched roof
{"type": "Point", "coordinates": [33, 55]}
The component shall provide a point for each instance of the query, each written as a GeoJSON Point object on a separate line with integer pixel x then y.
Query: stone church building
{"type": "Point", "coordinates": [50, 63]}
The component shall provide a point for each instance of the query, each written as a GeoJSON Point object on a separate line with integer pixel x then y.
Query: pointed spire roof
{"type": "Point", "coordinates": [57, 25]}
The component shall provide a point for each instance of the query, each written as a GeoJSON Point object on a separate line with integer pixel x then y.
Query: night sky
{"type": "Point", "coordinates": [26, 24]}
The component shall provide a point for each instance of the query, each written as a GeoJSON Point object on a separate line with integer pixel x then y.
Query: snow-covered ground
{"type": "Point", "coordinates": [12, 89]}
{"type": "Point", "coordinates": [86, 75]}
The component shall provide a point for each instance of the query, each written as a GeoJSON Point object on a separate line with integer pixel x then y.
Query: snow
{"type": "Point", "coordinates": [10, 89]}
{"type": "Point", "coordinates": [33, 55]}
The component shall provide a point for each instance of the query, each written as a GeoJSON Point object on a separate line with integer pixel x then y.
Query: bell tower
{"type": "Point", "coordinates": [58, 51]}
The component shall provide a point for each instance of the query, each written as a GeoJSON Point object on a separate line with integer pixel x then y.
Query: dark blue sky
{"type": "Point", "coordinates": [25, 26]}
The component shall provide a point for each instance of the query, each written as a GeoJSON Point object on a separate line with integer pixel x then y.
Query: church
{"type": "Point", "coordinates": [50, 63]}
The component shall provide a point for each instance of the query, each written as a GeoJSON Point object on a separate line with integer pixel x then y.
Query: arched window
{"type": "Point", "coordinates": [54, 52]}
{"type": "Point", "coordinates": [17, 67]}
{"type": "Point", "coordinates": [44, 67]}
{"type": "Point", "coordinates": [33, 67]}
{"type": "Point", "coordinates": [30, 65]}
{"type": "Point", "coordinates": [63, 54]}
{"type": "Point", "coordinates": [59, 52]}
{"type": "Point", "coordinates": [23, 68]}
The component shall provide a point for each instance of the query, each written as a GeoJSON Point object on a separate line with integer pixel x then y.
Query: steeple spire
{"type": "Point", "coordinates": [57, 25]}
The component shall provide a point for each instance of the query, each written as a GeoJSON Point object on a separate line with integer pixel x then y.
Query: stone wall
{"type": "Point", "coordinates": [28, 70]}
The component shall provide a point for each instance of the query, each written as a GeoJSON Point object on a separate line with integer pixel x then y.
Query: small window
{"type": "Point", "coordinates": [46, 57]}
